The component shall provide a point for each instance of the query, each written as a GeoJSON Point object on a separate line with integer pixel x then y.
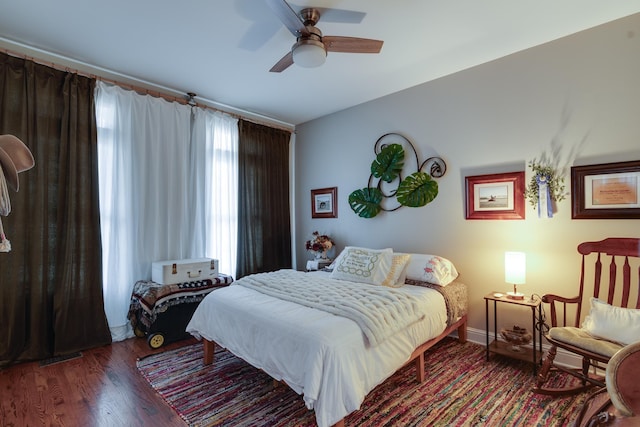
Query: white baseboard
{"type": "Point", "coordinates": [563, 358]}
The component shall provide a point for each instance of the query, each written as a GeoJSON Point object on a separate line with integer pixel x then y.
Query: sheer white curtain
{"type": "Point", "coordinates": [215, 177]}
{"type": "Point", "coordinates": [149, 192]}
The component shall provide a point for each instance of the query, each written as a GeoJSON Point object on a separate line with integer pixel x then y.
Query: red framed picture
{"type": "Point", "coordinates": [495, 196]}
{"type": "Point", "coordinates": [324, 203]}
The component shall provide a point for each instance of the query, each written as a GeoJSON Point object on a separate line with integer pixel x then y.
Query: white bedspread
{"type": "Point", "coordinates": [322, 356]}
{"type": "Point", "coordinates": [379, 311]}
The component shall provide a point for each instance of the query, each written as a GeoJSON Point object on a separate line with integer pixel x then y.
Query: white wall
{"type": "Point", "coordinates": [576, 99]}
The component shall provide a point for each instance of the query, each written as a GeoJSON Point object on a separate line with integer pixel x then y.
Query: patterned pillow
{"type": "Point", "coordinates": [431, 268]}
{"type": "Point", "coordinates": [363, 265]}
{"type": "Point", "coordinates": [398, 272]}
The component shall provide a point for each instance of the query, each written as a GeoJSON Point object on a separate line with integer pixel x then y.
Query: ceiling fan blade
{"type": "Point", "coordinates": [341, 16]}
{"type": "Point", "coordinates": [332, 14]}
{"type": "Point", "coordinates": [351, 44]}
{"type": "Point", "coordinates": [289, 17]}
{"type": "Point", "coordinates": [284, 63]}
{"type": "Point", "coordinates": [258, 35]}
{"type": "Point", "coordinates": [260, 30]}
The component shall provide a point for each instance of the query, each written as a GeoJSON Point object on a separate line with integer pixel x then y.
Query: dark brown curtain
{"type": "Point", "coordinates": [264, 224]}
{"type": "Point", "coordinates": [51, 282]}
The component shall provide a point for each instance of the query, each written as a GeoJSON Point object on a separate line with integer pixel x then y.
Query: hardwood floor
{"type": "Point", "coordinates": [100, 389]}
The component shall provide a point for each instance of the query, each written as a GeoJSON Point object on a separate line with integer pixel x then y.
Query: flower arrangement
{"type": "Point", "coordinates": [319, 244]}
{"type": "Point", "coordinates": [554, 182]}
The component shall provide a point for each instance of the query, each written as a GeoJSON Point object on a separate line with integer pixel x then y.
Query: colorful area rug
{"type": "Point", "coordinates": [461, 389]}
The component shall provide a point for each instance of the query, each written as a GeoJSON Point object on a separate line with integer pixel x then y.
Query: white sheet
{"type": "Point", "coordinates": [319, 355]}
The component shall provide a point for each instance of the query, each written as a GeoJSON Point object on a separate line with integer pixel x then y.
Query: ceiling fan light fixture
{"type": "Point", "coordinates": [309, 53]}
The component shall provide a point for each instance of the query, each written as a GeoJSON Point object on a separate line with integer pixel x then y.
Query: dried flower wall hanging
{"type": "Point", "coordinates": [546, 186]}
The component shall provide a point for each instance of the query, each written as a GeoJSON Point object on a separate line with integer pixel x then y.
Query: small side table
{"type": "Point", "coordinates": [533, 354]}
{"type": "Point", "coordinates": [318, 264]}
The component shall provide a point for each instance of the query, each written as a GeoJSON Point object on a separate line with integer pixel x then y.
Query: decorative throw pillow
{"type": "Point", "coordinates": [431, 268]}
{"type": "Point", "coordinates": [363, 265]}
{"type": "Point", "coordinates": [621, 325]}
{"type": "Point", "coordinates": [398, 272]}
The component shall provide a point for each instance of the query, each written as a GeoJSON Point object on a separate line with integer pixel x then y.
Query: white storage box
{"type": "Point", "coordinates": [184, 270]}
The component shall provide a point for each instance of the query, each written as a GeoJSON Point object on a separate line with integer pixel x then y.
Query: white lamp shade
{"type": "Point", "coordinates": [309, 53]}
{"type": "Point", "coordinates": [515, 267]}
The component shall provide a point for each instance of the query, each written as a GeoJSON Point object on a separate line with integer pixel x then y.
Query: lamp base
{"type": "Point", "coordinates": [515, 295]}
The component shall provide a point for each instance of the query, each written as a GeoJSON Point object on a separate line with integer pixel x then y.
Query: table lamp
{"type": "Point", "coordinates": [515, 272]}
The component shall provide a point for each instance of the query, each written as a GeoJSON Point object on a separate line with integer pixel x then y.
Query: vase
{"type": "Point", "coordinates": [321, 255]}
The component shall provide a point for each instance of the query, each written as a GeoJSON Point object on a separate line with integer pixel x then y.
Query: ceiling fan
{"type": "Point", "coordinates": [311, 47]}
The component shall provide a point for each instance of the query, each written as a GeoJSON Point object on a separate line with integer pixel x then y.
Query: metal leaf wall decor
{"type": "Point", "coordinates": [393, 189]}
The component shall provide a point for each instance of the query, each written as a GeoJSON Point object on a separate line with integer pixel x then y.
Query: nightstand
{"type": "Point", "coordinates": [318, 264]}
{"type": "Point", "coordinates": [531, 354]}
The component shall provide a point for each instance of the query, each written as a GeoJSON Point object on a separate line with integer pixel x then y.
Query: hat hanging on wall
{"type": "Point", "coordinates": [15, 157]}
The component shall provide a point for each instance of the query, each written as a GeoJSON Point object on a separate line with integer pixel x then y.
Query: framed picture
{"type": "Point", "coordinates": [606, 191]}
{"type": "Point", "coordinates": [324, 203]}
{"type": "Point", "coordinates": [495, 196]}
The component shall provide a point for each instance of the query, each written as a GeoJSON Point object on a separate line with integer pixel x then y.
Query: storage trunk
{"type": "Point", "coordinates": [184, 270]}
{"type": "Point", "coordinates": [162, 312]}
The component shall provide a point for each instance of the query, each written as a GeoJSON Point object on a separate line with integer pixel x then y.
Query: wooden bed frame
{"type": "Point", "coordinates": [416, 357]}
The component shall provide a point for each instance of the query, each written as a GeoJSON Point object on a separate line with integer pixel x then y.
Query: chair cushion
{"type": "Point", "coordinates": [580, 338]}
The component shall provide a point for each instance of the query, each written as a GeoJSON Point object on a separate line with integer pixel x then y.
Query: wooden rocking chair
{"type": "Point", "coordinates": [621, 254]}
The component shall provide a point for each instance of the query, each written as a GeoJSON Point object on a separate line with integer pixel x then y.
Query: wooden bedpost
{"type": "Point", "coordinates": [462, 332]}
{"type": "Point", "coordinates": [421, 375]}
{"type": "Point", "coordinates": [209, 349]}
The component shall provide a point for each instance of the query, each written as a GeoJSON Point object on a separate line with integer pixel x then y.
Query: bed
{"type": "Point", "coordinates": [299, 328]}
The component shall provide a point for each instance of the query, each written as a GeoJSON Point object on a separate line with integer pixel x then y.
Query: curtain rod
{"type": "Point", "coordinates": [141, 90]}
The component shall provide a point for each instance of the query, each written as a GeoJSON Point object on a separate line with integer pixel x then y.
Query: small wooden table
{"type": "Point", "coordinates": [318, 264]}
{"type": "Point", "coordinates": [531, 354]}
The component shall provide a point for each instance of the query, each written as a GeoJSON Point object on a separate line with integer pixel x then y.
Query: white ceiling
{"type": "Point", "coordinates": [223, 49]}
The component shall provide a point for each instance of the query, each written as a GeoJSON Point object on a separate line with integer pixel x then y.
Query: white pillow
{"type": "Point", "coordinates": [398, 272]}
{"type": "Point", "coordinates": [613, 323]}
{"type": "Point", "coordinates": [363, 265]}
{"type": "Point", "coordinates": [431, 268]}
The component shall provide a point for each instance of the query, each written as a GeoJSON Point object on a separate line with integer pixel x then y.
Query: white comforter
{"type": "Point", "coordinates": [322, 356]}
{"type": "Point", "coordinates": [379, 311]}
